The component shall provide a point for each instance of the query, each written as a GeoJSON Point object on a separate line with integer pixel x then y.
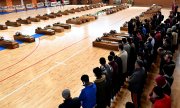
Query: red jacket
{"type": "Point", "coordinates": [163, 103]}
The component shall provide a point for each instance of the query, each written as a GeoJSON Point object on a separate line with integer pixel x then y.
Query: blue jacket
{"type": "Point", "coordinates": [88, 96]}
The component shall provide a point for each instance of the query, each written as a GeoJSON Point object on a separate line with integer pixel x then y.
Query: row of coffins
{"type": "Point", "coordinates": [28, 20]}
{"type": "Point", "coordinates": [50, 30]}
{"type": "Point", "coordinates": [109, 40]}
{"type": "Point", "coordinates": [82, 19]}
{"type": "Point", "coordinates": [115, 9]}
{"type": "Point", "coordinates": [147, 15]}
{"type": "Point", "coordinates": [47, 30]}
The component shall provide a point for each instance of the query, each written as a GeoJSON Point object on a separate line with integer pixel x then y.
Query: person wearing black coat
{"type": "Point", "coordinates": [101, 85]}
{"type": "Point", "coordinates": [136, 83]}
{"type": "Point", "coordinates": [120, 68]}
{"type": "Point", "coordinates": [130, 27]}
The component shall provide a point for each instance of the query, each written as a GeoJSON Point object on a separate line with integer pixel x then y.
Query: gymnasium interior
{"type": "Point", "coordinates": [89, 54]}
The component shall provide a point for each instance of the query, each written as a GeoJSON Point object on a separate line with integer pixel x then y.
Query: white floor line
{"type": "Point", "coordinates": [44, 73]}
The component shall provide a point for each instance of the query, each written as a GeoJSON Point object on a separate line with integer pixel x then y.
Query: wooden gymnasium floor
{"type": "Point", "coordinates": [34, 75]}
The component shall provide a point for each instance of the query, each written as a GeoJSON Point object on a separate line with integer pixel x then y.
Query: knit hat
{"type": "Point", "coordinates": [66, 93]}
{"type": "Point", "coordinates": [160, 80]}
{"type": "Point", "coordinates": [169, 30]}
{"type": "Point", "coordinates": [173, 28]}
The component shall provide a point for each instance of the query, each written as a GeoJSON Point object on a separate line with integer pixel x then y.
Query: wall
{"type": "Point", "coordinates": [27, 1]}
{"type": "Point", "coordinates": [16, 2]}
{"type": "Point", "coordinates": [164, 3]}
{"type": "Point", "coordinates": [2, 2]}
{"type": "Point", "coordinates": [178, 2]}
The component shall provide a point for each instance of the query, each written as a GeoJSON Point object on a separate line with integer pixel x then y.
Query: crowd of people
{"type": "Point", "coordinates": [147, 40]}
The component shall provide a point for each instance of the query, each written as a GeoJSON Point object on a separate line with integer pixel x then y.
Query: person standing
{"type": "Point", "coordinates": [159, 99]}
{"type": "Point", "coordinates": [136, 83]}
{"type": "Point", "coordinates": [161, 82]}
{"type": "Point", "coordinates": [124, 57]}
{"type": "Point", "coordinates": [69, 102]}
{"type": "Point", "coordinates": [107, 71]}
{"type": "Point", "coordinates": [114, 66]}
{"type": "Point", "coordinates": [88, 94]}
{"type": "Point", "coordinates": [101, 94]}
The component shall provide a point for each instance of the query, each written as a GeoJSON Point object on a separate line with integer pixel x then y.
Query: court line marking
{"type": "Point", "coordinates": [23, 57]}
{"type": "Point", "coordinates": [42, 60]}
{"type": "Point", "coordinates": [42, 74]}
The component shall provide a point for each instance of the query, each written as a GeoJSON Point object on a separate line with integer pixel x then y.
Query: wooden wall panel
{"type": "Point", "coordinates": [164, 3]}
{"type": "Point", "coordinates": [34, 1]}
{"type": "Point", "coordinates": [40, 0]}
{"type": "Point", "coordinates": [27, 1]}
{"type": "Point", "coordinates": [178, 3]}
{"type": "Point", "coordinates": [16, 2]}
{"type": "Point", "coordinates": [2, 2]}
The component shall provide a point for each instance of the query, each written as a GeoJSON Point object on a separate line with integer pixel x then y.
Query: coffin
{"type": "Point", "coordinates": [24, 38]}
{"type": "Point", "coordinates": [8, 43]}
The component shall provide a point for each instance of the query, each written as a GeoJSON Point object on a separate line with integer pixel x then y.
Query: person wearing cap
{"type": "Point", "coordinates": [69, 102]}
{"type": "Point", "coordinates": [136, 83]}
{"type": "Point", "coordinates": [161, 82]}
{"type": "Point", "coordinates": [88, 94]}
{"type": "Point", "coordinates": [159, 99]}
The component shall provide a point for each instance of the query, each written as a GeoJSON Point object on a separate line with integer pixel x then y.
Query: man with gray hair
{"type": "Point", "coordinates": [69, 102]}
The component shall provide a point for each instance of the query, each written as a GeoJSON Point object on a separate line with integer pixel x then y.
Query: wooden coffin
{"type": "Point", "coordinates": [55, 28]}
{"type": "Point", "coordinates": [124, 28]}
{"type": "Point", "coordinates": [65, 26]}
{"type": "Point", "coordinates": [74, 21]}
{"type": "Point", "coordinates": [64, 12]}
{"type": "Point", "coordinates": [56, 14]}
{"type": "Point", "coordinates": [23, 21]}
{"type": "Point", "coordinates": [72, 11]}
{"type": "Point", "coordinates": [13, 24]}
{"type": "Point", "coordinates": [50, 15]}
{"type": "Point", "coordinates": [82, 8]}
{"type": "Point", "coordinates": [24, 38]}
{"type": "Point", "coordinates": [91, 17]}
{"type": "Point", "coordinates": [44, 31]}
{"type": "Point", "coordinates": [77, 10]}
{"type": "Point", "coordinates": [8, 43]}
{"type": "Point", "coordinates": [83, 19]}
{"type": "Point", "coordinates": [106, 45]}
{"type": "Point", "coordinates": [42, 17]}
{"type": "Point", "coordinates": [87, 7]}
{"type": "Point", "coordinates": [114, 36]}
{"type": "Point", "coordinates": [3, 27]}
{"type": "Point", "coordinates": [33, 19]}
